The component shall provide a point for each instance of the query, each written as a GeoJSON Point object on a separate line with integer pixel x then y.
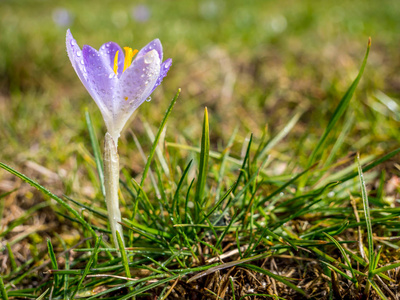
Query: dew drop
{"type": "Point", "coordinates": [73, 43]}
{"type": "Point", "coordinates": [79, 53]}
{"type": "Point", "coordinates": [149, 57]}
{"type": "Point", "coordinates": [108, 45]}
{"type": "Point", "coordinates": [82, 62]}
{"type": "Point", "coordinates": [148, 99]}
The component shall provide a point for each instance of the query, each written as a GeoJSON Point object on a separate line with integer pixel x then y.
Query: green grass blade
{"type": "Point", "coordinates": [3, 291]}
{"type": "Point", "coordinates": [340, 109]}
{"type": "Point", "coordinates": [377, 289]}
{"type": "Point", "coordinates": [51, 195]}
{"type": "Point", "coordinates": [353, 279]}
{"type": "Point", "coordinates": [53, 260]}
{"type": "Point", "coordinates": [88, 266]}
{"type": "Point", "coordinates": [372, 164]}
{"type": "Point", "coordinates": [96, 151]}
{"type": "Point", "coordinates": [159, 132]}
{"type": "Point", "coordinates": [123, 256]}
{"type": "Point", "coordinates": [276, 277]}
{"type": "Point", "coordinates": [203, 166]}
{"type": "Point", "coordinates": [284, 132]}
{"type": "Point", "coordinates": [385, 268]}
{"type": "Point", "coordinates": [367, 216]}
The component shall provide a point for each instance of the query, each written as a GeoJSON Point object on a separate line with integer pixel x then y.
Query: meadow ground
{"type": "Point", "coordinates": [287, 187]}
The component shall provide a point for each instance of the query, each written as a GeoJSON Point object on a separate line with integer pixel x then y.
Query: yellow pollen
{"type": "Point", "coordinates": [116, 63]}
{"type": "Point", "coordinates": [129, 54]}
{"type": "Point", "coordinates": [126, 98]}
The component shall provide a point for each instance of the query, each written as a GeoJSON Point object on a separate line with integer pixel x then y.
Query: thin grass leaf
{"type": "Point", "coordinates": [96, 151]}
{"type": "Point", "coordinates": [338, 271]}
{"type": "Point", "coordinates": [53, 260]}
{"type": "Point", "coordinates": [42, 295]}
{"type": "Point", "coordinates": [122, 251]}
{"type": "Point", "coordinates": [353, 279]}
{"type": "Point", "coordinates": [149, 287]}
{"type": "Point", "coordinates": [155, 143]}
{"type": "Point", "coordinates": [367, 216]}
{"type": "Point", "coordinates": [88, 208]}
{"type": "Point", "coordinates": [371, 165]}
{"type": "Point", "coordinates": [281, 135]}
{"type": "Point", "coordinates": [340, 109]}
{"type": "Point", "coordinates": [203, 166]}
{"type": "Point", "coordinates": [175, 201]}
{"type": "Point", "coordinates": [377, 289]}
{"type": "Point", "coordinates": [227, 265]}
{"type": "Point", "coordinates": [88, 266]}
{"type": "Point", "coordinates": [152, 151]}
{"type": "Point", "coordinates": [281, 188]}
{"type": "Point", "coordinates": [385, 269]}
{"type": "Point", "coordinates": [51, 195]}
{"type": "Point", "coordinates": [3, 291]}
{"type": "Point", "coordinates": [11, 257]}
{"type": "Point", "coordinates": [263, 295]}
{"type": "Point", "coordinates": [276, 277]}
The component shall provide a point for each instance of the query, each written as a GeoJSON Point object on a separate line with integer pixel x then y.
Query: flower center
{"type": "Point", "coordinates": [129, 54]}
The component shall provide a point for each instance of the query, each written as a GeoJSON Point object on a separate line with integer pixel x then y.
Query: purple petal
{"type": "Point", "coordinates": [101, 78]}
{"type": "Point", "coordinates": [135, 85]}
{"type": "Point", "coordinates": [163, 72]}
{"type": "Point", "coordinates": [153, 45]}
{"type": "Point", "coordinates": [75, 56]}
{"type": "Point", "coordinates": [108, 51]}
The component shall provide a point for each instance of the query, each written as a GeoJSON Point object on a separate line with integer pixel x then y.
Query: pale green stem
{"type": "Point", "coordinates": [111, 184]}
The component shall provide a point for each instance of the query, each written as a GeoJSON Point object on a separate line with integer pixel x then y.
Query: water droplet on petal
{"type": "Point", "coordinates": [79, 53]}
{"type": "Point", "coordinates": [149, 57]}
{"type": "Point", "coordinates": [148, 99]}
{"type": "Point", "coordinates": [82, 62]}
{"type": "Point", "coordinates": [108, 45]}
{"type": "Point", "coordinates": [73, 43]}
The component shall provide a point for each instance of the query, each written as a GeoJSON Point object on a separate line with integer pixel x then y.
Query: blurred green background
{"type": "Point", "coordinates": [253, 63]}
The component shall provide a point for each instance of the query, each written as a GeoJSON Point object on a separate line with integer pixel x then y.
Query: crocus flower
{"type": "Point", "coordinates": [118, 82]}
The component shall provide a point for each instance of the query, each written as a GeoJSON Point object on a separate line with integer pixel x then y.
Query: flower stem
{"type": "Point", "coordinates": [111, 183]}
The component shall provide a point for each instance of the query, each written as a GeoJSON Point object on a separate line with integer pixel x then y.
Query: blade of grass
{"type": "Point", "coordinates": [3, 291]}
{"type": "Point", "coordinates": [125, 262]}
{"type": "Point", "coordinates": [153, 149]}
{"type": "Point", "coordinates": [367, 215]}
{"type": "Point", "coordinates": [96, 151]}
{"type": "Point", "coordinates": [203, 166]}
{"type": "Point", "coordinates": [353, 275]}
{"type": "Point", "coordinates": [340, 109]}
{"type": "Point", "coordinates": [276, 277]}
{"type": "Point", "coordinates": [159, 132]}
{"type": "Point", "coordinates": [377, 289]}
{"type": "Point", "coordinates": [88, 266]}
{"type": "Point", "coordinates": [53, 260]}
{"type": "Point", "coordinates": [51, 195]}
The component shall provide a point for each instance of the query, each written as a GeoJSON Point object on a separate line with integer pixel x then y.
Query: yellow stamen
{"type": "Point", "coordinates": [126, 98]}
{"type": "Point", "coordinates": [116, 63]}
{"type": "Point", "coordinates": [129, 54]}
